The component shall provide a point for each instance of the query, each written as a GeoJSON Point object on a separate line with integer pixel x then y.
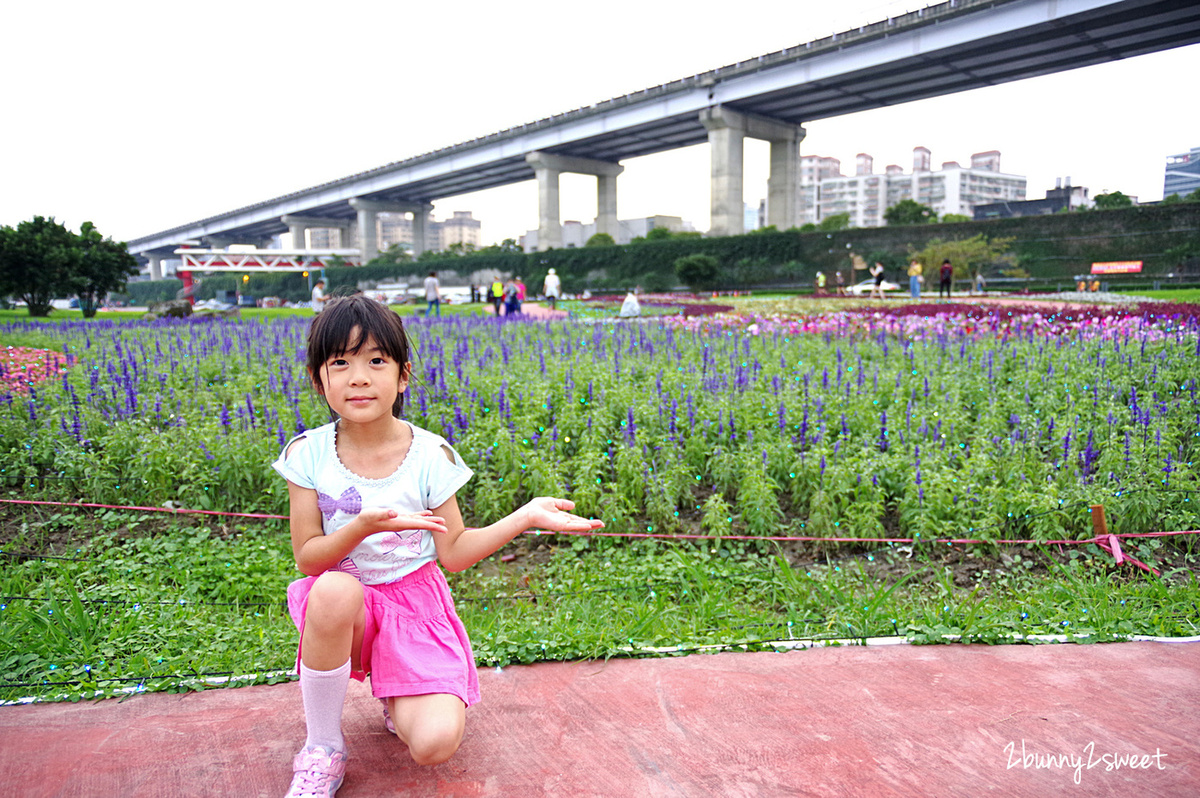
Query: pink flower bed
{"type": "Point", "coordinates": [21, 367]}
{"type": "Point", "coordinates": [1153, 322]}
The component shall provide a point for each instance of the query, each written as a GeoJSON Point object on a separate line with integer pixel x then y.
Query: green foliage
{"type": "Point", "coordinates": [39, 261]}
{"type": "Point", "coordinates": [145, 292]}
{"type": "Point", "coordinates": [104, 268]}
{"type": "Point", "coordinates": [732, 435]}
{"type": "Point", "coordinates": [1112, 201]}
{"type": "Point", "coordinates": [658, 234]}
{"type": "Point", "coordinates": [837, 221]}
{"type": "Point", "coordinates": [909, 211]}
{"type": "Point", "coordinates": [954, 218]}
{"type": "Point", "coordinates": [967, 256]}
{"type": "Point", "coordinates": [600, 240]}
{"type": "Point", "coordinates": [698, 272]}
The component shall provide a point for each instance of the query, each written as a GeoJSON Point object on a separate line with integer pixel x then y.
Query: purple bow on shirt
{"type": "Point", "coordinates": [349, 502]}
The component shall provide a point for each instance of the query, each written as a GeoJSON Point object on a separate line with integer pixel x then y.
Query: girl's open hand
{"type": "Point", "coordinates": [386, 519]}
{"type": "Point", "coordinates": [552, 514]}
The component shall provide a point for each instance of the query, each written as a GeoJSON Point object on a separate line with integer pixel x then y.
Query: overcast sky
{"type": "Point", "coordinates": [140, 116]}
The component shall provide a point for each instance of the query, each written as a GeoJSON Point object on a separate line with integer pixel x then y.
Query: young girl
{"type": "Point", "coordinates": [372, 506]}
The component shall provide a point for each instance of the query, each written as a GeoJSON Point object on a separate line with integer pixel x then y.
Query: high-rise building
{"type": "Point", "coordinates": [459, 229]}
{"type": "Point", "coordinates": [1182, 173]}
{"type": "Point", "coordinates": [865, 196]}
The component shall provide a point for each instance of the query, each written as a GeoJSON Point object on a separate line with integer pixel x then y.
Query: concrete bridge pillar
{"type": "Point", "coordinates": [727, 131]}
{"type": "Point", "coordinates": [368, 211]}
{"type": "Point", "coordinates": [725, 138]}
{"type": "Point", "coordinates": [783, 184]}
{"type": "Point", "coordinates": [420, 219]}
{"type": "Point", "coordinates": [297, 225]}
{"type": "Point", "coordinates": [547, 167]}
{"type": "Point", "coordinates": [368, 240]}
{"type": "Point", "coordinates": [218, 242]}
{"type": "Point", "coordinates": [155, 265]}
{"type": "Point", "coordinates": [298, 230]}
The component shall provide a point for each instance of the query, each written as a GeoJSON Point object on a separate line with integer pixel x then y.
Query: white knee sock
{"type": "Point", "coordinates": [324, 694]}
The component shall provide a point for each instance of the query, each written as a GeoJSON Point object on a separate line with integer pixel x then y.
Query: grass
{"type": "Point", "coordinates": [1174, 295]}
{"type": "Point", "coordinates": [100, 602]}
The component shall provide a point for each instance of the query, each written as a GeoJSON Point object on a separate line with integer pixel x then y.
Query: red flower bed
{"type": "Point", "coordinates": [21, 367]}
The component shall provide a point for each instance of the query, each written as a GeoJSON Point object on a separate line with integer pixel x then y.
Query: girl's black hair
{"type": "Point", "coordinates": [345, 325]}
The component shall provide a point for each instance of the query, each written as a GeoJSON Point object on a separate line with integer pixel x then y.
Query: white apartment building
{"type": "Point", "coordinates": [396, 228]}
{"type": "Point", "coordinates": [866, 195]}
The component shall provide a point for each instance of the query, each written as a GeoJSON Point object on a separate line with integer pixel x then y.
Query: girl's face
{"type": "Point", "coordinates": [362, 386]}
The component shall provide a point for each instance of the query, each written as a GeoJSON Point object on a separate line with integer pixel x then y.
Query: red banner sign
{"type": "Point", "coordinates": [1117, 267]}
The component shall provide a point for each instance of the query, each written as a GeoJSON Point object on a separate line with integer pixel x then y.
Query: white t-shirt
{"type": "Point", "coordinates": [318, 298]}
{"type": "Point", "coordinates": [431, 289]}
{"type": "Point", "coordinates": [552, 287]}
{"type": "Point", "coordinates": [424, 480]}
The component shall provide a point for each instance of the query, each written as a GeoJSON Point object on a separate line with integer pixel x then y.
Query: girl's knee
{"type": "Point", "coordinates": [434, 746]}
{"type": "Point", "coordinates": [335, 597]}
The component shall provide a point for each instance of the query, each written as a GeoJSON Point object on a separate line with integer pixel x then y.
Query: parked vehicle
{"type": "Point", "coordinates": [865, 287]}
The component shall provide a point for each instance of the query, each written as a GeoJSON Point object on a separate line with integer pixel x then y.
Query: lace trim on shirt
{"type": "Point", "coordinates": [341, 468]}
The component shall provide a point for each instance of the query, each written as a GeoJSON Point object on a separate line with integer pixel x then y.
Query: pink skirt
{"type": "Point", "coordinates": [413, 642]}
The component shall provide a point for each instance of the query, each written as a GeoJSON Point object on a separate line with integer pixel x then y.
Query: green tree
{"type": "Point", "coordinates": [600, 240]}
{"type": "Point", "coordinates": [838, 221]}
{"type": "Point", "coordinates": [658, 234]}
{"type": "Point", "coordinates": [698, 272]}
{"type": "Point", "coordinates": [104, 267]}
{"type": "Point", "coordinates": [395, 255]}
{"type": "Point", "coordinates": [967, 256]}
{"type": "Point", "coordinates": [39, 261]}
{"type": "Point", "coordinates": [1112, 201]}
{"type": "Point", "coordinates": [909, 211]}
{"type": "Point", "coordinates": [954, 218]}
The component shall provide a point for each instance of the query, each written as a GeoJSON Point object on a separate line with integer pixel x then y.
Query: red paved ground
{"type": "Point", "coordinates": [887, 721]}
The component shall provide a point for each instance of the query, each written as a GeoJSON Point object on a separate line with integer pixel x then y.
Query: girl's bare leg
{"type": "Point", "coordinates": [333, 623]}
{"type": "Point", "coordinates": [432, 725]}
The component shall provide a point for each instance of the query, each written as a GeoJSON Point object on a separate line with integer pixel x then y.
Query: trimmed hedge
{"type": "Point", "coordinates": [1048, 247]}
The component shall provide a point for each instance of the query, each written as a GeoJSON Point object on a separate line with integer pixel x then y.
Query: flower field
{"type": "Point", "coordinates": [925, 422]}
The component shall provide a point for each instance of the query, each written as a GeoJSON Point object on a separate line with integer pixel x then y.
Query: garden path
{"type": "Point", "coordinates": [869, 721]}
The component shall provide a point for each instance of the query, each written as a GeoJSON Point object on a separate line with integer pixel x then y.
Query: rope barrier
{"type": "Point", "coordinates": [1107, 541]}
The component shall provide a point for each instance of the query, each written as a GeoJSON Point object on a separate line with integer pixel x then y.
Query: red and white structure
{"type": "Point", "coordinates": [246, 261]}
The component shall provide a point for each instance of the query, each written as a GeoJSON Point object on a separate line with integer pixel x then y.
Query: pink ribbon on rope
{"type": "Point", "coordinates": [1112, 545]}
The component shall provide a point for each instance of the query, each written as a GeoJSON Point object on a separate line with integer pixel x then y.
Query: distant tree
{"type": "Point", "coordinates": [966, 256]}
{"type": "Point", "coordinates": [1111, 201]}
{"type": "Point", "coordinates": [1193, 197]}
{"type": "Point", "coordinates": [770, 228]}
{"type": "Point", "coordinates": [838, 221]}
{"type": "Point", "coordinates": [1172, 199]}
{"type": "Point", "coordinates": [954, 218]}
{"type": "Point", "coordinates": [600, 240]}
{"type": "Point", "coordinates": [808, 227]}
{"type": "Point", "coordinates": [105, 267]}
{"type": "Point", "coordinates": [658, 234]}
{"type": "Point", "coordinates": [395, 255]}
{"type": "Point", "coordinates": [909, 211]}
{"type": "Point", "coordinates": [687, 234]}
{"type": "Point", "coordinates": [698, 272]}
{"type": "Point", "coordinates": [39, 261]}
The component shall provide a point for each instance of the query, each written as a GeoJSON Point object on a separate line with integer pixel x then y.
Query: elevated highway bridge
{"type": "Point", "coordinates": [946, 48]}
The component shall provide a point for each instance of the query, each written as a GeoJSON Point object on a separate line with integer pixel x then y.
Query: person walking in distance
{"type": "Point", "coordinates": [552, 288]}
{"type": "Point", "coordinates": [945, 278]}
{"type": "Point", "coordinates": [374, 510]}
{"type": "Point", "coordinates": [496, 295]}
{"type": "Point", "coordinates": [877, 273]}
{"type": "Point", "coordinates": [433, 295]}
{"type": "Point", "coordinates": [318, 296]}
{"type": "Point", "coordinates": [914, 279]}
